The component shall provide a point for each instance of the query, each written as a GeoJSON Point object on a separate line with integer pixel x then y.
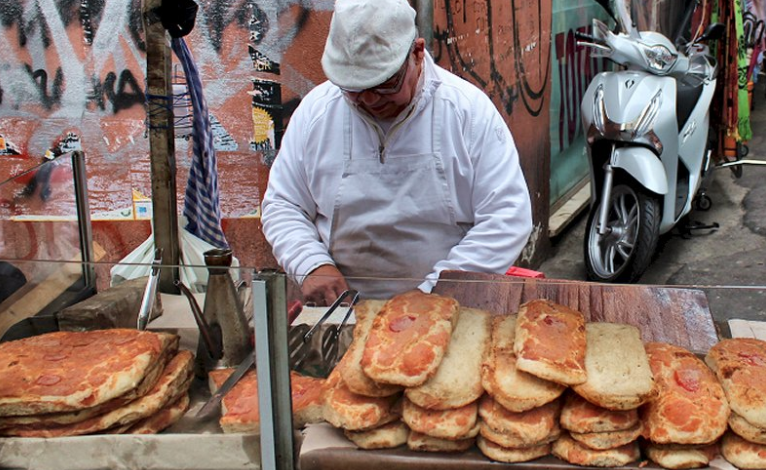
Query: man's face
{"type": "Point", "coordinates": [388, 99]}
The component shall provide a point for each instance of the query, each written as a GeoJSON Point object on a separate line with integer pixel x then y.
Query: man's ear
{"type": "Point", "coordinates": [420, 47]}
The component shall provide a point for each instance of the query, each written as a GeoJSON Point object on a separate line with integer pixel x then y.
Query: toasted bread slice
{"type": "Point", "coordinates": [451, 424]}
{"type": "Point", "coordinates": [517, 441]}
{"type": "Point", "coordinates": [524, 429]}
{"type": "Point", "coordinates": [740, 365]}
{"type": "Point", "coordinates": [745, 430]}
{"type": "Point", "coordinates": [457, 381]}
{"type": "Point", "coordinates": [691, 407]}
{"type": "Point", "coordinates": [569, 450]}
{"type": "Point", "coordinates": [741, 453]}
{"type": "Point", "coordinates": [350, 366]}
{"type": "Point", "coordinates": [352, 412]}
{"type": "Point", "coordinates": [608, 440]}
{"type": "Point", "coordinates": [420, 442]}
{"type": "Point", "coordinates": [679, 457]}
{"type": "Point", "coordinates": [388, 436]}
{"type": "Point", "coordinates": [511, 455]}
{"type": "Point", "coordinates": [619, 377]}
{"type": "Point", "coordinates": [409, 338]}
{"type": "Point", "coordinates": [515, 390]}
{"type": "Point", "coordinates": [550, 342]}
{"type": "Point", "coordinates": [581, 416]}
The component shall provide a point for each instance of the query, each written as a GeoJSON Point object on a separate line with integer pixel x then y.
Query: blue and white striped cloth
{"type": "Point", "coordinates": [201, 205]}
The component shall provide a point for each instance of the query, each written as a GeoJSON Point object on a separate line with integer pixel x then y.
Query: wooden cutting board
{"type": "Point", "coordinates": [672, 315]}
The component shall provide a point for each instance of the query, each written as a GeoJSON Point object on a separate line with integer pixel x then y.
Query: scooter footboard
{"type": "Point", "coordinates": [643, 165]}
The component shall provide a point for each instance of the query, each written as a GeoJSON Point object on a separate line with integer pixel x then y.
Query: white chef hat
{"type": "Point", "coordinates": [368, 41]}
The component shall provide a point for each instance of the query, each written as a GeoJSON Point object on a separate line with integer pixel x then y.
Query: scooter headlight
{"type": "Point", "coordinates": [658, 57]}
{"type": "Point", "coordinates": [599, 109]}
{"type": "Point", "coordinates": [648, 116]}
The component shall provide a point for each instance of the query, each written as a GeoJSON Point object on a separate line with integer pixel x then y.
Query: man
{"type": "Point", "coordinates": [393, 170]}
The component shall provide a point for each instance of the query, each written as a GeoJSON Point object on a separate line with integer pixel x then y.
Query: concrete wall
{"type": "Point", "coordinates": [78, 66]}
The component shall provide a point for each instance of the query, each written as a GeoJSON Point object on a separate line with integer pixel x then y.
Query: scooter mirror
{"type": "Point", "coordinates": [607, 5]}
{"type": "Point", "coordinates": [714, 31]}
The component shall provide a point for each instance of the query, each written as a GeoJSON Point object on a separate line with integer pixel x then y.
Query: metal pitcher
{"type": "Point", "coordinates": [224, 331]}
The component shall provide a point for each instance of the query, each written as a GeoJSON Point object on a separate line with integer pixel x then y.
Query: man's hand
{"type": "Point", "coordinates": [323, 285]}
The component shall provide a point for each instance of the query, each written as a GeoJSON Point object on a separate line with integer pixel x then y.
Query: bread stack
{"type": "Point", "coordinates": [595, 429]}
{"type": "Point", "coordinates": [683, 423]}
{"type": "Point", "coordinates": [428, 348]}
{"type": "Point", "coordinates": [600, 414]}
{"type": "Point", "coordinates": [611, 373]}
{"type": "Point", "coordinates": [740, 366]}
{"type": "Point", "coordinates": [520, 413]}
{"type": "Point", "coordinates": [104, 381]}
{"type": "Point", "coordinates": [494, 381]}
{"type": "Point", "coordinates": [368, 411]}
{"type": "Point", "coordinates": [442, 413]}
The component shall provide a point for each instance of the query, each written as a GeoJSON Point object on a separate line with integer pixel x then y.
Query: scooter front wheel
{"type": "Point", "coordinates": [623, 253]}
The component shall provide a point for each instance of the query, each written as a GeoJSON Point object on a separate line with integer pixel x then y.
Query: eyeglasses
{"type": "Point", "coordinates": [391, 86]}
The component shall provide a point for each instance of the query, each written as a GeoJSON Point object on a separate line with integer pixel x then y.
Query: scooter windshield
{"type": "Point", "coordinates": [662, 16]}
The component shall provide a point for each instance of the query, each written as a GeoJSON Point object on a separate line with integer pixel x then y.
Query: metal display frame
{"type": "Point", "coordinates": [272, 367]}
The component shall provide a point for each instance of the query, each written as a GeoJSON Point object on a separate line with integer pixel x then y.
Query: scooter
{"type": "Point", "coordinates": [646, 127]}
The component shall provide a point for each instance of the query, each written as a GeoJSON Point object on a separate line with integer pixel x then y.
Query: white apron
{"type": "Point", "coordinates": [392, 219]}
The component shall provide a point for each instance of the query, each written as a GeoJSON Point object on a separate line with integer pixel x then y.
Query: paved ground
{"type": "Point", "coordinates": [729, 264]}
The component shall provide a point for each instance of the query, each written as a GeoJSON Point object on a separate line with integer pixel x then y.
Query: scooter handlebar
{"type": "Point", "coordinates": [580, 36]}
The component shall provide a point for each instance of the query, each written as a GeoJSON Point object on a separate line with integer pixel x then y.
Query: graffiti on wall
{"type": "Point", "coordinates": [267, 94]}
{"type": "Point", "coordinates": [82, 63]}
{"type": "Point", "coordinates": [79, 66]}
{"type": "Point", "coordinates": [502, 47]}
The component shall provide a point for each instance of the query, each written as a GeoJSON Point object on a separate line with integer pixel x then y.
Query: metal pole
{"type": "Point", "coordinates": [162, 145]}
{"type": "Point", "coordinates": [425, 21]}
{"type": "Point", "coordinates": [83, 218]}
{"type": "Point", "coordinates": [271, 362]}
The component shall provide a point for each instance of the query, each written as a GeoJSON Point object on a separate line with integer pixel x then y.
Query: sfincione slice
{"type": "Point", "coordinates": [409, 338]}
{"type": "Point", "coordinates": [550, 342]}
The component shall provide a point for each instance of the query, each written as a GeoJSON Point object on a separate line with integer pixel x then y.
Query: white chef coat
{"type": "Point", "coordinates": [473, 201]}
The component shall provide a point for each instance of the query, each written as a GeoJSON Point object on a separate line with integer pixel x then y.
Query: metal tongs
{"type": "Point", "coordinates": [150, 292]}
{"type": "Point", "coordinates": [300, 343]}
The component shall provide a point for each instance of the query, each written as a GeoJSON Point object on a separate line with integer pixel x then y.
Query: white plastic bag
{"type": "Point", "coordinates": [193, 272]}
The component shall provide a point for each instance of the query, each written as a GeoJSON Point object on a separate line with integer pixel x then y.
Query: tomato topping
{"type": "Point", "coordinates": [752, 359]}
{"type": "Point", "coordinates": [48, 380]}
{"type": "Point", "coordinates": [688, 379]}
{"type": "Point", "coordinates": [401, 323]}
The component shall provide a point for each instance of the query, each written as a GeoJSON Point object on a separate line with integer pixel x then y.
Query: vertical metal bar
{"type": "Point", "coordinates": [271, 361]}
{"type": "Point", "coordinates": [83, 218]}
{"type": "Point", "coordinates": [425, 21]}
{"type": "Point", "coordinates": [162, 145]}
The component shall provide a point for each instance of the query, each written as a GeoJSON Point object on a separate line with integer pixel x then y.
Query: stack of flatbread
{"type": "Point", "coordinates": [498, 382]}
{"type": "Point", "coordinates": [102, 381]}
{"type": "Point", "coordinates": [426, 372]}
{"type": "Point", "coordinates": [535, 358]}
{"type": "Point", "coordinates": [442, 412]}
{"type": "Point", "coordinates": [239, 407]}
{"type": "Point", "coordinates": [618, 380]}
{"type": "Point", "coordinates": [369, 412]}
{"type": "Point", "coordinates": [740, 366]}
{"type": "Point", "coordinates": [403, 345]}
{"type": "Point", "coordinates": [520, 413]}
{"type": "Point", "coordinates": [683, 423]}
